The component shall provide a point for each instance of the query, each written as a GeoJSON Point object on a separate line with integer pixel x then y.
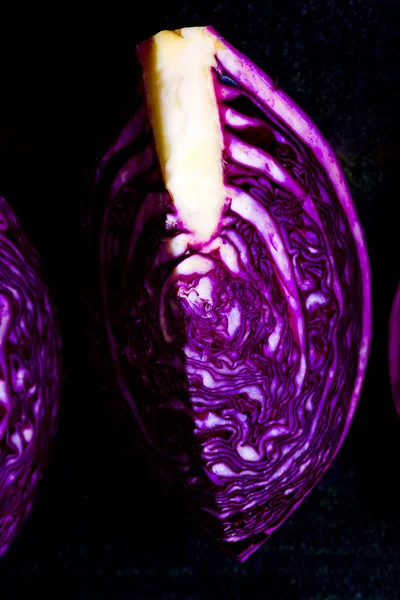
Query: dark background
{"type": "Point", "coordinates": [64, 88]}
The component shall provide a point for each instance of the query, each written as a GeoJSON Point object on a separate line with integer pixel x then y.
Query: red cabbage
{"type": "Point", "coordinates": [235, 283]}
{"type": "Point", "coordinates": [29, 375]}
{"type": "Point", "coordinates": [394, 349]}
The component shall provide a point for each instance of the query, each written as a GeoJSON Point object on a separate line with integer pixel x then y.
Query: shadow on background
{"type": "Point", "coordinates": [372, 448]}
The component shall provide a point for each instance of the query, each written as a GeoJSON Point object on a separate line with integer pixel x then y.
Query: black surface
{"type": "Point", "coordinates": [64, 76]}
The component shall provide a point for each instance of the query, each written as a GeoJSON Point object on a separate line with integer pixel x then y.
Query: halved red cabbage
{"type": "Point", "coordinates": [394, 349]}
{"type": "Point", "coordinates": [235, 282]}
{"type": "Point", "coordinates": [29, 375]}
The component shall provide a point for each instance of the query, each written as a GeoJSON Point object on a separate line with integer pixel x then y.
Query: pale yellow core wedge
{"type": "Point", "coordinates": [185, 121]}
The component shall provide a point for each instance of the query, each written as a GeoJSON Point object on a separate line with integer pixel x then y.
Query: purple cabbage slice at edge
{"type": "Point", "coordinates": [394, 349]}
{"type": "Point", "coordinates": [30, 367]}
